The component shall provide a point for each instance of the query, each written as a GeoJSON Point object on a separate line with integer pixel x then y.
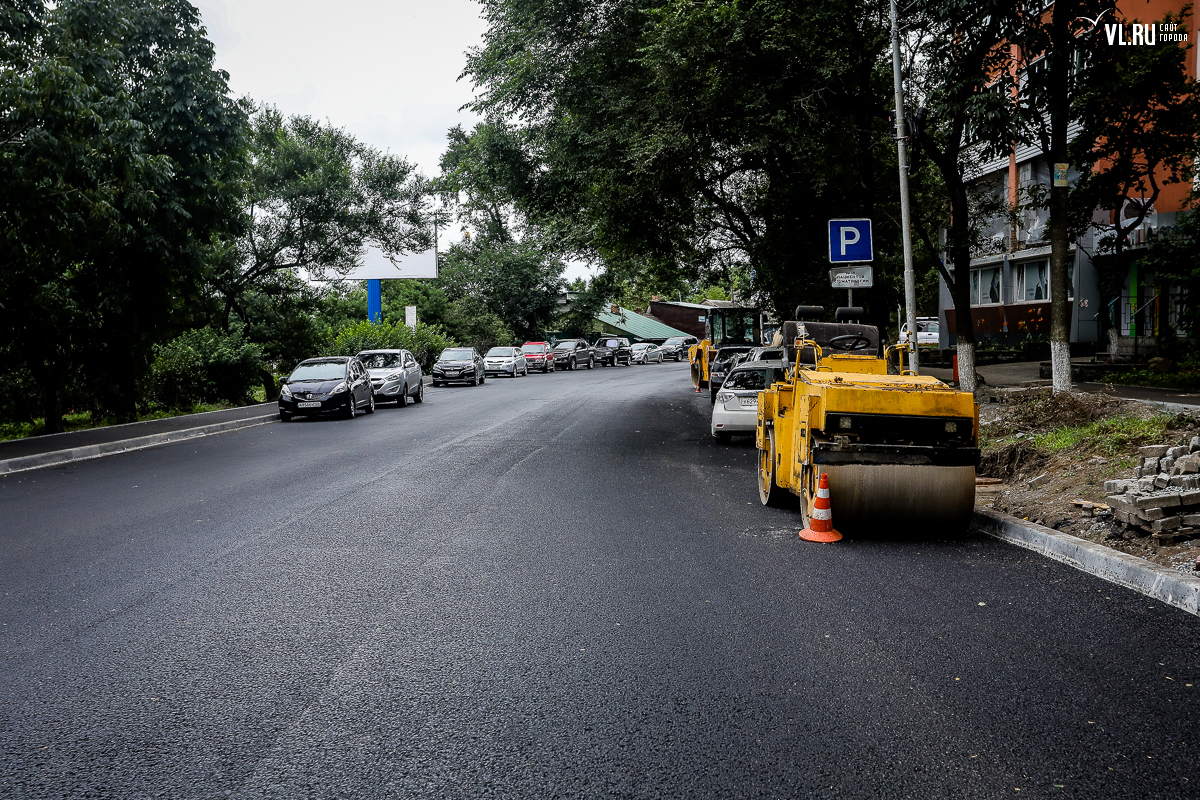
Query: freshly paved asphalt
{"type": "Point", "coordinates": [554, 586]}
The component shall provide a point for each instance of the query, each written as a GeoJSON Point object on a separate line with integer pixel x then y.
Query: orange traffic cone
{"type": "Point", "coordinates": [821, 527]}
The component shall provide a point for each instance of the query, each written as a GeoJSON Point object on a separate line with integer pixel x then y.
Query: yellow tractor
{"type": "Point", "coordinates": [898, 449]}
{"type": "Point", "coordinates": [727, 332]}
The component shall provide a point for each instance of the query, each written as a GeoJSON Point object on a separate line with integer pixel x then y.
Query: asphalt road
{"type": "Point", "coordinates": [553, 586]}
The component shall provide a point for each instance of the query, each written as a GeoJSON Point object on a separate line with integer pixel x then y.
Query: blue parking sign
{"type": "Point", "coordinates": [850, 241]}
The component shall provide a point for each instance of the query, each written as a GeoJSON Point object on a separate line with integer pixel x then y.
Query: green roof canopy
{"type": "Point", "coordinates": [637, 325]}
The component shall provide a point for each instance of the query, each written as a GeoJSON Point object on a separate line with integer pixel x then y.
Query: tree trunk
{"type": "Point", "coordinates": [1060, 118]}
{"type": "Point", "coordinates": [52, 413]}
{"type": "Point", "coordinates": [960, 255]}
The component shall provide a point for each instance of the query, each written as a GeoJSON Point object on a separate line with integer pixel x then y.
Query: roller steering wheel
{"type": "Point", "coordinates": [850, 342]}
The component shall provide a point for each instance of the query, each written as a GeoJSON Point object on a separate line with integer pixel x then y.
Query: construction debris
{"type": "Point", "coordinates": [1164, 496]}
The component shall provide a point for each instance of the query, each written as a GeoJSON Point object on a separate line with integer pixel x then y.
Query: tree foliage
{"type": "Point", "coordinates": [118, 152]}
{"type": "Point", "coordinates": [687, 138]}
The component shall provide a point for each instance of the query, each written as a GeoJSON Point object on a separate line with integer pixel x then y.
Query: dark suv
{"type": "Point", "coordinates": [572, 353]}
{"type": "Point", "coordinates": [677, 347]}
{"type": "Point", "coordinates": [612, 350]}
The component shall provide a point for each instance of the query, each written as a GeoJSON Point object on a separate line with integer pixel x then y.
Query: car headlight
{"type": "Point", "coordinates": [341, 387]}
{"type": "Point", "coordinates": [395, 376]}
{"type": "Point", "coordinates": [285, 390]}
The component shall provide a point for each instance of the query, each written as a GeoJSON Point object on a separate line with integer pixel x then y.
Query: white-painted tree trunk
{"type": "Point", "coordinates": [1060, 366]}
{"type": "Point", "coordinates": [1112, 342]}
{"type": "Point", "coordinates": [966, 366]}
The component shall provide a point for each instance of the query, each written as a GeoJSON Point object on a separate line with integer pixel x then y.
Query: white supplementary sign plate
{"type": "Point", "coordinates": [852, 277]}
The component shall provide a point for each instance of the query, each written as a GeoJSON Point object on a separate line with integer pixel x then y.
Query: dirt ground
{"type": "Point", "coordinates": [1040, 484]}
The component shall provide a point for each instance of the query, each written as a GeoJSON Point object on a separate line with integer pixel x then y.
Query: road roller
{"type": "Point", "coordinates": [898, 449]}
{"type": "Point", "coordinates": [734, 326]}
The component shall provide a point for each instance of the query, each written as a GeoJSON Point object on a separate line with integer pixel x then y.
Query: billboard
{"type": "Point", "coordinates": [377, 266]}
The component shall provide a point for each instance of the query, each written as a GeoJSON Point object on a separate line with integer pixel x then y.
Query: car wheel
{"type": "Point", "coordinates": [571, 366]}
{"type": "Point", "coordinates": [285, 416]}
{"type": "Point", "coordinates": [371, 404]}
{"type": "Point", "coordinates": [351, 408]}
{"type": "Point", "coordinates": [419, 397]}
{"type": "Point", "coordinates": [591, 363]}
{"type": "Point", "coordinates": [437, 384]}
{"type": "Point", "coordinates": [402, 398]}
{"type": "Point", "coordinates": [722, 436]}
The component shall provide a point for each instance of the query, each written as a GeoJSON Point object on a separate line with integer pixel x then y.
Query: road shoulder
{"type": "Point", "coordinates": [1169, 586]}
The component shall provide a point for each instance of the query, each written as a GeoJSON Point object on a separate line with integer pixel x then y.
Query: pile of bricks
{"type": "Point", "coordinates": [1164, 495]}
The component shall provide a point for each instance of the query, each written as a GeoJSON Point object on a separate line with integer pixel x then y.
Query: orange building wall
{"type": "Point", "coordinates": [1174, 196]}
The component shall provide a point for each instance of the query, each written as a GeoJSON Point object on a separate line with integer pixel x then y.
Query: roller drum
{"type": "Point", "coordinates": [877, 498]}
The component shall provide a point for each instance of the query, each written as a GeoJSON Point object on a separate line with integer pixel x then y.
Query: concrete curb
{"type": "Point", "coordinates": [1171, 587]}
{"type": "Point", "coordinates": [57, 457]}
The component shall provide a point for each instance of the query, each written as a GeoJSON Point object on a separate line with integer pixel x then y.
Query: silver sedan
{"type": "Point", "coordinates": [645, 352]}
{"type": "Point", "coordinates": [508, 361]}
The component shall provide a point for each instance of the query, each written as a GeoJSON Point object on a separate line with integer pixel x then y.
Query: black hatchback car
{"type": "Point", "coordinates": [457, 364]}
{"type": "Point", "coordinates": [334, 386]}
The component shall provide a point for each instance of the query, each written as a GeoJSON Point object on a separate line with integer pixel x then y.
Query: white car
{"type": "Point", "coordinates": [508, 361]}
{"type": "Point", "coordinates": [928, 329]}
{"type": "Point", "coordinates": [644, 353]}
{"type": "Point", "coordinates": [736, 406]}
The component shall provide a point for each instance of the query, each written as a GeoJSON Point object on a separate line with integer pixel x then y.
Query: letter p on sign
{"type": "Point", "coordinates": [850, 241]}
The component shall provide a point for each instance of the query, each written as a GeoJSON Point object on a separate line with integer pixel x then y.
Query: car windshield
{"type": "Point", "coordinates": [565, 346]}
{"type": "Point", "coordinates": [319, 371]}
{"type": "Point", "coordinates": [674, 340]}
{"type": "Point", "coordinates": [608, 343]}
{"type": "Point", "coordinates": [641, 346]}
{"type": "Point", "coordinates": [533, 348]}
{"type": "Point", "coordinates": [456, 354]}
{"type": "Point", "coordinates": [753, 379]}
{"type": "Point", "coordinates": [497, 352]}
{"type": "Point", "coordinates": [380, 360]}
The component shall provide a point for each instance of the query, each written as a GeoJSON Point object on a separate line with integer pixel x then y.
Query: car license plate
{"type": "Point", "coordinates": [312, 404]}
{"type": "Point", "coordinates": [453, 374]}
{"type": "Point", "coordinates": [749, 401]}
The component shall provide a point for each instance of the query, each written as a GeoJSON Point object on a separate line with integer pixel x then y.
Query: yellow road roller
{"type": "Point", "coordinates": [898, 449]}
{"type": "Point", "coordinates": [735, 328]}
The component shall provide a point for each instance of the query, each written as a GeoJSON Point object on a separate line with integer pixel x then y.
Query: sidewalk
{"type": "Point", "coordinates": [38, 445]}
{"type": "Point", "coordinates": [1021, 373]}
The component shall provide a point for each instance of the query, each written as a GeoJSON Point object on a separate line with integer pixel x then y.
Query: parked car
{"type": "Point", "coordinates": [928, 330]}
{"type": "Point", "coordinates": [539, 355]}
{"type": "Point", "coordinates": [613, 351]}
{"type": "Point", "coordinates": [645, 352]}
{"type": "Point", "coordinates": [677, 347]}
{"type": "Point", "coordinates": [395, 376]}
{"type": "Point", "coordinates": [724, 359]}
{"type": "Point", "coordinates": [508, 361]}
{"type": "Point", "coordinates": [763, 354]}
{"type": "Point", "coordinates": [338, 385]}
{"type": "Point", "coordinates": [572, 353]}
{"type": "Point", "coordinates": [736, 406]}
{"type": "Point", "coordinates": [459, 364]}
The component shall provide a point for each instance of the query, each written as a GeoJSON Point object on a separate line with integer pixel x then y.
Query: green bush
{"type": "Point", "coordinates": [205, 366]}
{"type": "Point", "coordinates": [426, 342]}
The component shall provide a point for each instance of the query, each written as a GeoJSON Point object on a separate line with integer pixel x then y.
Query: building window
{"type": "Point", "coordinates": [985, 286]}
{"type": "Point", "coordinates": [1031, 282]}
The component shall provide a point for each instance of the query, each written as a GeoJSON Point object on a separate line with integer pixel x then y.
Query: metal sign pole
{"type": "Point", "coordinates": [910, 280]}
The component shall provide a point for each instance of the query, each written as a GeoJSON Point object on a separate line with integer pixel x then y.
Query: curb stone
{"type": "Point", "coordinates": [58, 457]}
{"type": "Point", "coordinates": [1167, 585]}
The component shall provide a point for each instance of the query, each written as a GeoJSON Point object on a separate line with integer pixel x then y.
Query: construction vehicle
{"type": "Point", "coordinates": [732, 327]}
{"type": "Point", "coordinates": [898, 449]}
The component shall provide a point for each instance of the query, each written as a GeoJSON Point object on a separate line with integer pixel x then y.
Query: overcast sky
{"type": "Point", "coordinates": [385, 70]}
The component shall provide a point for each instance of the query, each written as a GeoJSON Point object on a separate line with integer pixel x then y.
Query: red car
{"type": "Point", "coordinates": [539, 355]}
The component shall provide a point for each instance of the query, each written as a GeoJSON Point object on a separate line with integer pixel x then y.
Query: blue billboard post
{"type": "Point", "coordinates": [374, 299]}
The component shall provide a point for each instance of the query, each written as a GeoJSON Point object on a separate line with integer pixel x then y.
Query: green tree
{"type": "Point", "coordinates": [688, 139]}
{"type": "Point", "coordinates": [118, 150]}
{"type": "Point", "coordinates": [316, 198]}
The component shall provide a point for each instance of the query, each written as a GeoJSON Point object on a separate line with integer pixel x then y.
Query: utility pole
{"type": "Point", "coordinates": [910, 278]}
